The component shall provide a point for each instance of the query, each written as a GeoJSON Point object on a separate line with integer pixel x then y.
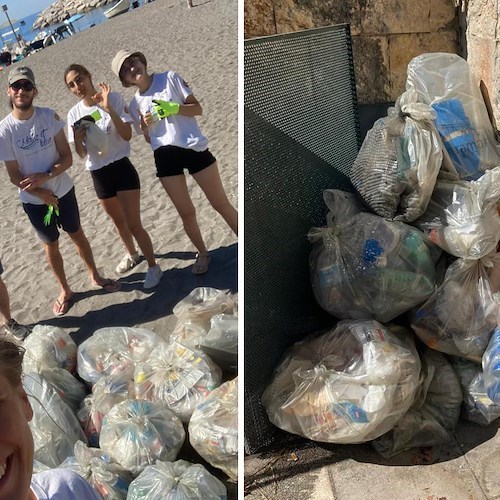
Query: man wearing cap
{"type": "Point", "coordinates": [36, 153]}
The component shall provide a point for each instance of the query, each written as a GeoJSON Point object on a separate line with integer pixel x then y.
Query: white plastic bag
{"type": "Point", "coordinates": [109, 479]}
{"type": "Point", "coordinates": [349, 385]}
{"type": "Point", "coordinates": [445, 82]}
{"type": "Point", "coordinates": [195, 311]}
{"type": "Point", "coordinates": [54, 427]}
{"type": "Point", "coordinates": [106, 392]}
{"type": "Point", "coordinates": [137, 433]}
{"type": "Point", "coordinates": [114, 350]}
{"type": "Point", "coordinates": [477, 406]}
{"type": "Point", "coordinates": [178, 480]}
{"type": "Point", "coordinates": [69, 388]}
{"type": "Point", "coordinates": [49, 347]}
{"type": "Point", "coordinates": [460, 317]}
{"type": "Point", "coordinates": [213, 428]}
{"type": "Point", "coordinates": [96, 140]}
{"type": "Point", "coordinates": [178, 376]}
{"type": "Point", "coordinates": [462, 217]}
{"type": "Point", "coordinates": [399, 161]}
{"type": "Point", "coordinates": [363, 266]}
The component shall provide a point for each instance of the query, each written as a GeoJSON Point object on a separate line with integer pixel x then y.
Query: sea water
{"type": "Point", "coordinates": [24, 26]}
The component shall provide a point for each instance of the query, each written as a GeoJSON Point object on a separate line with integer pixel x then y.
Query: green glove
{"type": "Point", "coordinates": [50, 213]}
{"type": "Point", "coordinates": [165, 108]}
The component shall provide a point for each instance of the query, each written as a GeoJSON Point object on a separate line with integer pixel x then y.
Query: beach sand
{"type": "Point", "coordinates": [201, 45]}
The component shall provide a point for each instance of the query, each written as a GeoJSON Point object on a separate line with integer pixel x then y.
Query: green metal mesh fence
{"type": "Point", "coordinates": [301, 137]}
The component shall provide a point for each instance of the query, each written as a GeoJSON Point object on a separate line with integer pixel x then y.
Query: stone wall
{"type": "Point", "coordinates": [482, 36]}
{"type": "Point", "coordinates": [386, 34]}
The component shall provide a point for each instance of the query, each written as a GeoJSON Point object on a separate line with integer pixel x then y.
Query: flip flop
{"type": "Point", "coordinates": [61, 308]}
{"type": "Point", "coordinates": [110, 286]}
{"type": "Point", "coordinates": [201, 267]}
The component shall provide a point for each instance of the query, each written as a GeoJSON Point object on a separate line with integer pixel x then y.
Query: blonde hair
{"type": "Point", "coordinates": [11, 361]}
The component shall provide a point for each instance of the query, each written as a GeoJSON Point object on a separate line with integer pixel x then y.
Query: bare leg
{"type": "Point", "coordinates": [114, 209]}
{"type": "Point", "coordinates": [4, 302]}
{"type": "Point", "coordinates": [85, 252]}
{"type": "Point", "coordinates": [130, 202]}
{"type": "Point", "coordinates": [177, 190]}
{"type": "Point", "coordinates": [209, 181]}
{"type": "Point", "coordinates": [56, 263]}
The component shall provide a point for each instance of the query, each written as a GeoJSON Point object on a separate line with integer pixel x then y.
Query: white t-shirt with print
{"type": "Point", "coordinates": [61, 484]}
{"type": "Point", "coordinates": [118, 147]}
{"type": "Point", "coordinates": [31, 143]}
{"type": "Point", "coordinates": [175, 130]}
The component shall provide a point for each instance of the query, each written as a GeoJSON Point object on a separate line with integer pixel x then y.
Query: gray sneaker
{"type": "Point", "coordinates": [153, 277]}
{"type": "Point", "coordinates": [20, 332]}
{"type": "Point", "coordinates": [128, 262]}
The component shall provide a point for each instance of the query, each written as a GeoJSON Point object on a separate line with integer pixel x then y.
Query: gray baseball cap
{"type": "Point", "coordinates": [21, 73]}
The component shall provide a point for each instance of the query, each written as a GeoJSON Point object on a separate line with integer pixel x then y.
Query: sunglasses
{"type": "Point", "coordinates": [26, 86]}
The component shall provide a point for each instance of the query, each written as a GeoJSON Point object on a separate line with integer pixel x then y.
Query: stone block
{"type": "Point", "coordinates": [371, 67]}
{"type": "Point", "coordinates": [403, 48]}
{"type": "Point", "coordinates": [258, 18]}
{"type": "Point", "coordinates": [482, 18]}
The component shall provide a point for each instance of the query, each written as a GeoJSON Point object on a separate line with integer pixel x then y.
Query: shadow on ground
{"type": "Point", "coordinates": [173, 287]}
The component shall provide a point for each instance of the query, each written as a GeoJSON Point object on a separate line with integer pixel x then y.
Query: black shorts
{"type": "Point", "coordinates": [172, 160]}
{"type": "Point", "coordinates": [120, 175]}
{"type": "Point", "coordinates": [68, 219]}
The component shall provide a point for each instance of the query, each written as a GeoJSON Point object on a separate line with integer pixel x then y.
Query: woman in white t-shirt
{"type": "Point", "coordinates": [17, 481]}
{"type": "Point", "coordinates": [164, 110]}
{"type": "Point", "coordinates": [99, 126]}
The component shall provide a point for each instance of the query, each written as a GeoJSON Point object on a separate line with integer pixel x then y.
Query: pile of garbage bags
{"type": "Point", "coordinates": [121, 403]}
{"type": "Point", "coordinates": [409, 265]}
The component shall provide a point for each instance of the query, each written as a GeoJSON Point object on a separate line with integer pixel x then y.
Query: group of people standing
{"type": "Point", "coordinates": [37, 154]}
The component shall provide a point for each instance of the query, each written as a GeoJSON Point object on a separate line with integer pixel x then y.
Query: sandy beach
{"type": "Point", "coordinates": [200, 44]}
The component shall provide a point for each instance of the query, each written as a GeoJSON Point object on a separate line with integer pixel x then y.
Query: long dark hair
{"type": "Point", "coordinates": [11, 361]}
{"type": "Point", "coordinates": [78, 68]}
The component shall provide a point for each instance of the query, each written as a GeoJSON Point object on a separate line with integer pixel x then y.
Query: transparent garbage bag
{"type": "Point", "coordinates": [109, 479]}
{"type": "Point", "coordinates": [459, 318]}
{"type": "Point", "coordinates": [96, 139]}
{"type": "Point", "coordinates": [54, 427]}
{"type": "Point", "coordinates": [213, 428]}
{"type": "Point", "coordinates": [71, 390]}
{"type": "Point", "coordinates": [114, 350]}
{"type": "Point", "coordinates": [349, 385]}
{"type": "Point", "coordinates": [491, 367]}
{"type": "Point", "coordinates": [49, 347]}
{"type": "Point", "coordinates": [434, 413]}
{"type": "Point", "coordinates": [399, 160]}
{"type": "Point", "coordinates": [137, 433]}
{"type": "Point", "coordinates": [106, 392]}
{"type": "Point", "coordinates": [462, 217]}
{"type": "Point", "coordinates": [195, 311]}
{"type": "Point", "coordinates": [178, 376]}
{"type": "Point", "coordinates": [445, 82]}
{"type": "Point", "coordinates": [221, 341]}
{"type": "Point", "coordinates": [363, 266]}
{"type": "Point", "coordinates": [180, 480]}
{"type": "Point", "coordinates": [477, 406]}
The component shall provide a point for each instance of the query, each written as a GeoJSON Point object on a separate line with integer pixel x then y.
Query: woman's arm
{"type": "Point", "coordinates": [191, 107]}
{"type": "Point", "coordinates": [102, 100]}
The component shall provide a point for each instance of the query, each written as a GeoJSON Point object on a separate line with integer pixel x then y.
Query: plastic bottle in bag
{"type": "Point", "coordinates": [491, 367]}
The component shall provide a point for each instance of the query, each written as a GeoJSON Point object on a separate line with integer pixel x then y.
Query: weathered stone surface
{"type": "Point", "coordinates": [371, 67]}
{"type": "Point", "coordinates": [292, 16]}
{"type": "Point", "coordinates": [403, 48]}
{"type": "Point", "coordinates": [482, 18]}
{"type": "Point", "coordinates": [259, 18]}
{"type": "Point", "coordinates": [443, 16]}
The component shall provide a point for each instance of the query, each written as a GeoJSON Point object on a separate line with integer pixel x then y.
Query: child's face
{"type": "Point", "coordinates": [16, 442]}
{"type": "Point", "coordinates": [133, 70]}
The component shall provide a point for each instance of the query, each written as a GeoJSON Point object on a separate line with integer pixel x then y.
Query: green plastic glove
{"type": "Point", "coordinates": [165, 108]}
{"type": "Point", "coordinates": [50, 213]}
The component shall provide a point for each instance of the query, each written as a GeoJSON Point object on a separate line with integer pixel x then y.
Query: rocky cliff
{"type": "Point", "coordinates": [63, 9]}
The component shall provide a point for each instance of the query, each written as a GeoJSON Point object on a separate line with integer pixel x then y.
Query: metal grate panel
{"type": "Point", "coordinates": [301, 137]}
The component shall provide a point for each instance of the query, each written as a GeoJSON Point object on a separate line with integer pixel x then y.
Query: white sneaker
{"type": "Point", "coordinates": [128, 262]}
{"type": "Point", "coordinates": [153, 277]}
